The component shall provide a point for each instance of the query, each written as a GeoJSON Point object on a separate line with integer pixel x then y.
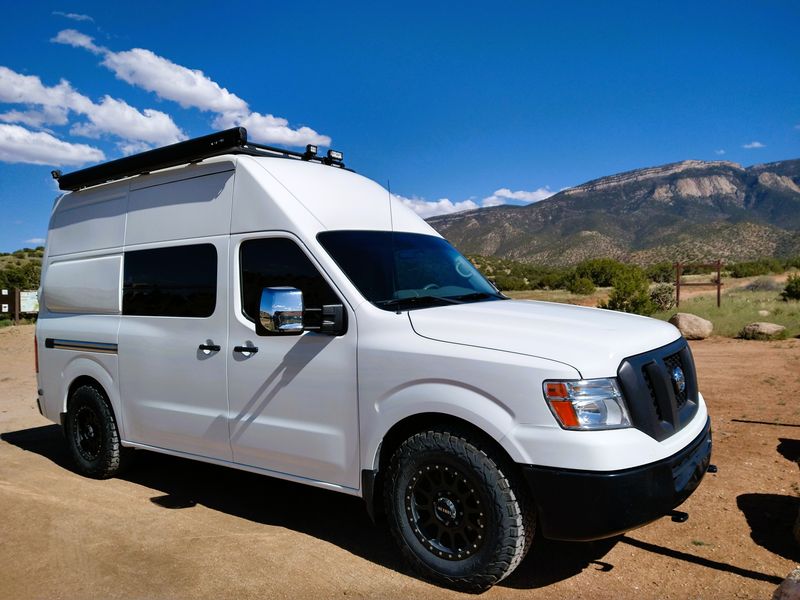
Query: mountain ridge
{"type": "Point", "coordinates": [690, 210]}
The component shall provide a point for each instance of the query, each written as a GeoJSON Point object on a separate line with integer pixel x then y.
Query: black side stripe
{"type": "Point", "coordinates": [102, 347]}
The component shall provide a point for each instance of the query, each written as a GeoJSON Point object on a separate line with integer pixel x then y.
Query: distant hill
{"type": "Point", "coordinates": [691, 210]}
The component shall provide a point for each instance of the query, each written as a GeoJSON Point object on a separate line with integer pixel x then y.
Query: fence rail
{"type": "Point", "coordinates": [679, 283]}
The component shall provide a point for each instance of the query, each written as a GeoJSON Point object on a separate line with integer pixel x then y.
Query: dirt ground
{"type": "Point", "coordinates": [174, 528]}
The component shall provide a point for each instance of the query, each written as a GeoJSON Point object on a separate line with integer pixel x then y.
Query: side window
{"type": "Point", "coordinates": [180, 281]}
{"type": "Point", "coordinates": [275, 262]}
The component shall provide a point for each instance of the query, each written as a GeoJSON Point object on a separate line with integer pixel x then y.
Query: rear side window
{"type": "Point", "coordinates": [170, 282]}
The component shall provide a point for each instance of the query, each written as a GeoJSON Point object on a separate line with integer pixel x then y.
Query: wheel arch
{"type": "Point", "coordinates": [372, 479]}
{"type": "Point", "coordinates": [91, 374]}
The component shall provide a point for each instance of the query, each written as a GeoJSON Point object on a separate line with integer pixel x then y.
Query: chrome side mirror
{"type": "Point", "coordinates": [281, 310]}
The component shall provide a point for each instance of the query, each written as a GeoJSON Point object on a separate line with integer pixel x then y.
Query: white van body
{"type": "Point", "coordinates": [316, 408]}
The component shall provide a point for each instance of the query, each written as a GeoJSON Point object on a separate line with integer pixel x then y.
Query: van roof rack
{"type": "Point", "coordinates": [230, 141]}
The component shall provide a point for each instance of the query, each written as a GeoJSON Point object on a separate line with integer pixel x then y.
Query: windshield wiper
{"type": "Point", "coordinates": [413, 300]}
{"type": "Point", "coordinates": [477, 296]}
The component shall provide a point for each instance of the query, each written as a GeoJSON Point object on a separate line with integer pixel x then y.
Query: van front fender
{"type": "Point", "coordinates": [432, 399]}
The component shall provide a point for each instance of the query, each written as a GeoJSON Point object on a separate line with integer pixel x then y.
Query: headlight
{"type": "Point", "coordinates": [587, 404]}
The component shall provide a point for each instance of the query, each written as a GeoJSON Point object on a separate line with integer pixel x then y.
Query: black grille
{"type": "Point", "coordinates": [658, 405]}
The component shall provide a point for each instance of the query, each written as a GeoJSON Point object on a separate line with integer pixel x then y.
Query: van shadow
{"type": "Point", "coordinates": [771, 517]}
{"type": "Point", "coordinates": [337, 518]}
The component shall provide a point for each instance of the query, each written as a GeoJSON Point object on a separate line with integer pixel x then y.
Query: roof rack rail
{"type": "Point", "coordinates": [230, 141]}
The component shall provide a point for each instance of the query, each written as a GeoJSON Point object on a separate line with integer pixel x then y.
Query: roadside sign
{"type": "Point", "coordinates": [29, 301]}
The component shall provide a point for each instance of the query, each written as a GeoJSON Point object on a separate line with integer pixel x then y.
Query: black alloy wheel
{"type": "Point", "coordinates": [92, 434]}
{"type": "Point", "coordinates": [445, 511]}
{"type": "Point", "coordinates": [456, 508]}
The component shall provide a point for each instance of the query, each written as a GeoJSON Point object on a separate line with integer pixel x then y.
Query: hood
{"type": "Point", "coordinates": [591, 340]}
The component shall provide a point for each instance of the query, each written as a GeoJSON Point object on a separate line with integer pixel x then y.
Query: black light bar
{"type": "Point", "coordinates": [230, 141]}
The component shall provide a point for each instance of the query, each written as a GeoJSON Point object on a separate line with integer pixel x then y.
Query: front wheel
{"type": "Point", "coordinates": [454, 509]}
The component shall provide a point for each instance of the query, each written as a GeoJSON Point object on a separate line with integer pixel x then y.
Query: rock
{"type": "Point", "coordinates": [691, 326]}
{"type": "Point", "coordinates": [763, 313]}
{"type": "Point", "coordinates": [762, 331]}
{"type": "Point", "coordinates": [790, 588]}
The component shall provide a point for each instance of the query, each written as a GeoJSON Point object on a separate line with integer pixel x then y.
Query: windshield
{"type": "Point", "coordinates": [408, 270]}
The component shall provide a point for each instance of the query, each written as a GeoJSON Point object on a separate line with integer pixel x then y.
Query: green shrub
{"type": "Point", "coordinates": [600, 270]}
{"type": "Point", "coordinates": [630, 292]}
{"type": "Point", "coordinates": [581, 285]}
{"type": "Point", "coordinates": [764, 266]}
{"type": "Point", "coordinates": [25, 277]}
{"type": "Point", "coordinates": [792, 289]}
{"type": "Point", "coordinates": [792, 263]}
{"type": "Point", "coordinates": [661, 272]}
{"type": "Point", "coordinates": [663, 296]}
{"type": "Point", "coordinates": [509, 282]}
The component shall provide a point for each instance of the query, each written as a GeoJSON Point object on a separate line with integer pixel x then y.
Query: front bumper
{"type": "Point", "coordinates": [589, 505]}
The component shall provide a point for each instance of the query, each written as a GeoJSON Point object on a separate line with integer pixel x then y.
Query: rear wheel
{"type": "Point", "coordinates": [455, 511]}
{"type": "Point", "coordinates": [92, 434]}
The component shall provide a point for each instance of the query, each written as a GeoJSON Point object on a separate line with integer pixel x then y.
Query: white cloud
{"type": "Point", "coordinates": [429, 208]}
{"type": "Point", "coordinates": [20, 145]}
{"type": "Point", "coordinates": [187, 87]}
{"type": "Point", "coordinates": [110, 116]}
{"type": "Point", "coordinates": [503, 195]}
{"type": "Point", "coordinates": [128, 148]}
{"type": "Point", "coordinates": [70, 37]}
{"type": "Point", "coordinates": [36, 241]}
{"type": "Point", "coordinates": [719, 152]}
{"type": "Point", "coordinates": [753, 145]}
{"type": "Point", "coordinates": [36, 118]}
{"type": "Point", "coordinates": [121, 119]}
{"type": "Point", "coordinates": [270, 129]}
{"type": "Point", "coordinates": [73, 16]}
{"type": "Point", "coordinates": [191, 88]}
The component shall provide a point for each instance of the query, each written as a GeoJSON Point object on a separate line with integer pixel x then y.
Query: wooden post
{"type": "Point", "coordinates": [678, 270]}
{"type": "Point", "coordinates": [15, 295]}
{"type": "Point", "coordinates": [719, 282]}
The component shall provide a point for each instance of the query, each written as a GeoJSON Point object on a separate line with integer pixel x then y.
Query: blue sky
{"type": "Point", "coordinates": [457, 104]}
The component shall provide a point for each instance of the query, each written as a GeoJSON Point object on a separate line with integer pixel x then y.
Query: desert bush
{"type": "Point", "coordinates": [792, 289]}
{"type": "Point", "coordinates": [630, 292]}
{"type": "Point", "coordinates": [661, 272]}
{"type": "Point", "coordinates": [663, 296]}
{"type": "Point", "coordinates": [763, 284]}
{"type": "Point", "coordinates": [509, 282]}
{"type": "Point", "coordinates": [25, 276]}
{"type": "Point", "coordinates": [600, 270]}
{"type": "Point", "coordinates": [581, 285]}
{"type": "Point", "coordinates": [764, 266]}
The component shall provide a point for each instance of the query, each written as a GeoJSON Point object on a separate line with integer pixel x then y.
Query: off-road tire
{"type": "Point", "coordinates": [479, 476]}
{"type": "Point", "coordinates": [92, 435]}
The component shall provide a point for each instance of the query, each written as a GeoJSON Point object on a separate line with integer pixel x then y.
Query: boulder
{"type": "Point", "coordinates": [691, 326]}
{"type": "Point", "coordinates": [762, 331]}
{"type": "Point", "coordinates": [790, 588]}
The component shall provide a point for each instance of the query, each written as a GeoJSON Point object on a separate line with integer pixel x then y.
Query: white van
{"type": "Point", "coordinates": [275, 312]}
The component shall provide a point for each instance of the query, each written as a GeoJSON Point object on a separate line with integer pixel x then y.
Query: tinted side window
{"type": "Point", "coordinates": [171, 282]}
{"type": "Point", "coordinates": [275, 262]}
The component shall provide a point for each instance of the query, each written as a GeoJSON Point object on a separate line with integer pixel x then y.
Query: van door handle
{"type": "Point", "coordinates": [209, 347]}
{"type": "Point", "coordinates": [246, 349]}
